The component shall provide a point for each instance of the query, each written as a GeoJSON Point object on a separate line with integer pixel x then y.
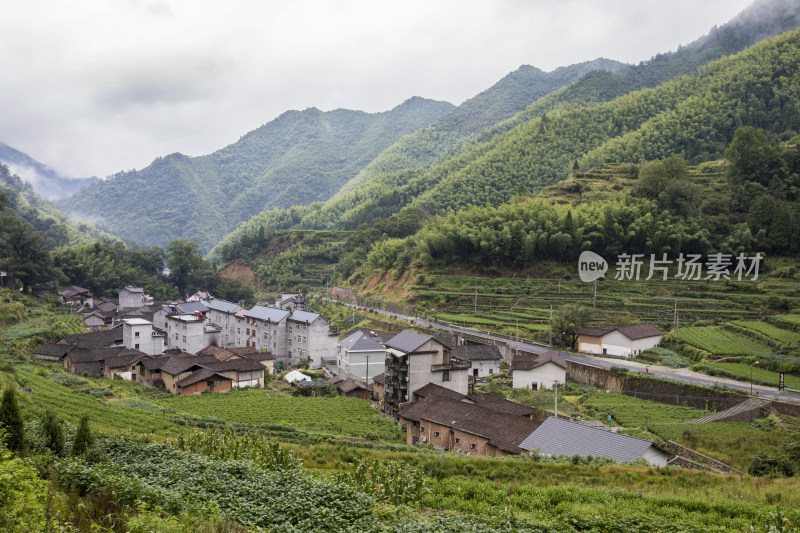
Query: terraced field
{"type": "Point", "coordinates": [718, 341]}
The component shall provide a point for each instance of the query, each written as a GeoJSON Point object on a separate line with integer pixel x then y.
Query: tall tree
{"type": "Point", "coordinates": [24, 254]}
{"type": "Point", "coordinates": [11, 420]}
{"type": "Point", "coordinates": [84, 439]}
{"type": "Point", "coordinates": [566, 322]}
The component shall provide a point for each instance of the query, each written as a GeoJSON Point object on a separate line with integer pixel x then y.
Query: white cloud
{"type": "Point", "coordinates": [93, 87]}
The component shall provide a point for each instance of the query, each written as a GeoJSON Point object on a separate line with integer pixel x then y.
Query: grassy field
{"type": "Point", "coordinates": [631, 412]}
{"type": "Point", "coordinates": [759, 374]}
{"type": "Point", "coordinates": [781, 335]}
{"type": "Point", "coordinates": [719, 341]}
{"type": "Point", "coordinates": [335, 416]}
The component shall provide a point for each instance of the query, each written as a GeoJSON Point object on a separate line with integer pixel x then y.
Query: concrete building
{"type": "Point", "coordinates": [361, 356]}
{"type": "Point", "coordinates": [139, 334]}
{"type": "Point", "coordinates": [621, 341]}
{"type": "Point", "coordinates": [538, 371]}
{"type": "Point", "coordinates": [413, 360]}
{"type": "Point", "coordinates": [132, 298]}
{"type": "Point", "coordinates": [190, 333]}
{"type": "Point", "coordinates": [265, 329]}
{"type": "Point", "coordinates": [309, 336]}
{"type": "Point", "coordinates": [223, 314]}
{"type": "Point", "coordinates": [483, 358]}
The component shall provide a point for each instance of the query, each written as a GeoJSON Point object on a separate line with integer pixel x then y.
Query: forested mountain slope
{"type": "Point", "coordinates": [45, 181]}
{"type": "Point", "coordinates": [43, 216]}
{"type": "Point", "coordinates": [386, 193]}
{"type": "Point", "coordinates": [298, 158]}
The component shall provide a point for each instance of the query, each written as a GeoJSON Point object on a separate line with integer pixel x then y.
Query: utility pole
{"type": "Point", "coordinates": [333, 287]}
{"type": "Point", "coordinates": [551, 324]}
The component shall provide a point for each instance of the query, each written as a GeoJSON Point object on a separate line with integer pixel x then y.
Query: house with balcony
{"type": "Point", "coordinates": [413, 360]}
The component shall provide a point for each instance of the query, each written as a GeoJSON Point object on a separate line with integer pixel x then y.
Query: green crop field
{"type": "Point", "coordinates": [781, 335]}
{"type": "Point", "coordinates": [759, 374]}
{"type": "Point", "coordinates": [788, 319]}
{"type": "Point", "coordinates": [335, 416]}
{"type": "Point", "coordinates": [718, 341]}
{"type": "Point", "coordinates": [631, 412]}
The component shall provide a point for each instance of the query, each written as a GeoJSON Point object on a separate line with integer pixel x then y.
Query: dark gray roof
{"type": "Point", "coordinates": [432, 389]}
{"type": "Point", "coordinates": [495, 402]}
{"type": "Point", "coordinates": [529, 361]}
{"type": "Point", "coordinates": [477, 352]}
{"type": "Point", "coordinates": [380, 378]}
{"type": "Point", "coordinates": [380, 336]}
{"type": "Point", "coordinates": [201, 375]}
{"type": "Point", "coordinates": [87, 355]}
{"type": "Point", "coordinates": [304, 316]}
{"type": "Point", "coordinates": [407, 341]}
{"type": "Point", "coordinates": [51, 349]}
{"type": "Point", "coordinates": [134, 289]}
{"type": "Point", "coordinates": [92, 368]}
{"type": "Point", "coordinates": [361, 342]}
{"type": "Point", "coordinates": [558, 436]}
{"type": "Point", "coordinates": [95, 339]}
{"type": "Point", "coordinates": [222, 305]}
{"type": "Point", "coordinates": [634, 332]}
{"type": "Point", "coordinates": [240, 365]}
{"type": "Point", "coordinates": [192, 307]}
{"type": "Point", "coordinates": [268, 314]}
{"type": "Point", "coordinates": [124, 359]}
{"type": "Point", "coordinates": [349, 385]}
{"type": "Point", "coordinates": [176, 365]}
{"type": "Point", "coordinates": [504, 431]}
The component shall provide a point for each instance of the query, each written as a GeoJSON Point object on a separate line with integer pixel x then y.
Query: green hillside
{"type": "Point", "coordinates": [298, 158]}
{"type": "Point", "coordinates": [395, 178]}
{"type": "Point", "coordinates": [29, 207]}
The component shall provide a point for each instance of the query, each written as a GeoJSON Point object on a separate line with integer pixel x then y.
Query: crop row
{"type": "Point", "coordinates": [781, 335]}
{"type": "Point", "coordinates": [719, 341]}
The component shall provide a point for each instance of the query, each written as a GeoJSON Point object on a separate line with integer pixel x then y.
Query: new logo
{"type": "Point", "coordinates": [591, 266]}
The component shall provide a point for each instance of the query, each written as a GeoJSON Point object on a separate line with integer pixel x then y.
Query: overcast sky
{"type": "Point", "coordinates": [94, 87]}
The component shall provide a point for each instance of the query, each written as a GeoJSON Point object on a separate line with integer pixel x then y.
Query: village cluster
{"type": "Point", "coordinates": [425, 381]}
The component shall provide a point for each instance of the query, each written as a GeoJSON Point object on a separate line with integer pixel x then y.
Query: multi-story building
{"type": "Point", "coordinates": [413, 360]}
{"type": "Point", "coordinates": [361, 356]}
{"type": "Point", "coordinates": [138, 334]}
{"type": "Point", "coordinates": [310, 337]}
{"type": "Point", "coordinates": [223, 314]}
{"type": "Point", "coordinates": [132, 298]}
{"type": "Point", "coordinates": [265, 329]}
{"type": "Point", "coordinates": [190, 333]}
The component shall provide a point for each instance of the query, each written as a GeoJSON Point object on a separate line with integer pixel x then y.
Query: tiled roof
{"type": "Point", "coordinates": [192, 307]}
{"type": "Point", "coordinates": [257, 356]}
{"type": "Point", "coordinates": [349, 385]}
{"type": "Point", "coordinates": [92, 368]}
{"type": "Point", "coordinates": [432, 389]}
{"type": "Point", "coordinates": [558, 436]}
{"type": "Point", "coordinates": [176, 365]}
{"type": "Point", "coordinates": [634, 332]}
{"type": "Point", "coordinates": [222, 305]}
{"type": "Point", "coordinates": [495, 402]}
{"type": "Point", "coordinates": [240, 365]}
{"type": "Point", "coordinates": [87, 355]}
{"type": "Point", "coordinates": [360, 342]}
{"type": "Point", "coordinates": [201, 375]}
{"type": "Point", "coordinates": [124, 359]}
{"type": "Point", "coordinates": [133, 289]}
{"type": "Point", "coordinates": [477, 352]}
{"type": "Point", "coordinates": [407, 341]}
{"type": "Point", "coordinates": [51, 349]}
{"type": "Point", "coordinates": [220, 354]}
{"type": "Point", "coordinates": [95, 339]}
{"type": "Point", "coordinates": [503, 431]}
{"type": "Point", "coordinates": [268, 314]}
{"type": "Point", "coordinates": [529, 361]}
{"type": "Point", "coordinates": [304, 316]}
{"type": "Point", "coordinates": [380, 336]}
{"type": "Point", "coordinates": [380, 378]}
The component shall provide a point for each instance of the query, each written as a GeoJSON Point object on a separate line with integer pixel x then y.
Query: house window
{"type": "Point", "coordinates": [136, 334]}
{"type": "Point", "coordinates": [458, 441]}
{"type": "Point", "coordinates": [422, 429]}
{"type": "Point", "coordinates": [473, 446]}
{"type": "Point", "coordinates": [136, 346]}
{"type": "Point", "coordinates": [446, 376]}
{"type": "Point", "coordinates": [184, 338]}
{"type": "Point", "coordinates": [248, 331]}
{"type": "Point", "coordinates": [304, 339]}
{"type": "Point", "coordinates": [265, 336]}
{"type": "Point", "coordinates": [491, 371]}
{"type": "Point", "coordinates": [436, 434]}
{"type": "Point", "coordinates": [290, 342]}
{"type": "Point", "coordinates": [176, 336]}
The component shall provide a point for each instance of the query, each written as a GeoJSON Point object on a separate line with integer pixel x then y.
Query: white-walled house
{"type": "Point", "coordinates": [190, 333]}
{"type": "Point", "coordinates": [132, 298]}
{"type": "Point", "coordinates": [361, 356]}
{"type": "Point", "coordinates": [484, 358]}
{"type": "Point", "coordinates": [223, 314]}
{"type": "Point", "coordinates": [138, 334]}
{"type": "Point", "coordinates": [309, 336]}
{"type": "Point", "coordinates": [620, 341]}
{"type": "Point", "coordinates": [538, 371]}
{"type": "Point", "coordinates": [265, 329]}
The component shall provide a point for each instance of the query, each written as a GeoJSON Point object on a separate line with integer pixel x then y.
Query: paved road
{"type": "Point", "coordinates": [675, 374]}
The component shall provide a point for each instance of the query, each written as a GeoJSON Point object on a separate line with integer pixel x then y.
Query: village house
{"type": "Point", "coordinates": [203, 380]}
{"type": "Point", "coordinates": [140, 334]}
{"type": "Point", "coordinates": [471, 428]}
{"type": "Point", "coordinates": [361, 356]}
{"type": "Point", "coordinates": [483, 358]}
{"type": "Point", "coordinates": [265, 328]}
{"type": "Point", "coordinates": [310, 337]}
{"type": "Point", "coordinates": [414, 360]}
{"type": "Point", "coordinates": [557, 436]}
{"type": "Point", "coordinates": [190, 333]}
{"type": "Point", "coordinates": [351, 388]}
{"type": "Point", "coordinates": [223, 314]}
{"type": "Point", "coordinates": [378, 390]}
{"type": "Point", "coordinates": [131, 298]}
{"type": "Point", "coordinates": [620, 341]}
{"type": "Point", "coordinates": [76, 295]}
{"type": "Point", "coordinates": [538, 371]}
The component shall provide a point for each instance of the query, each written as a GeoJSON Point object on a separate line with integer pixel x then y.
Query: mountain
{"type": "Point", "coordinates": [299, 158]}
{"type": "Point", "coordinates": [30, 207]}
{"type": "Point", "coordinates": [383, 193]}
{"type": "Point", "coordinates": [45, 181]}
